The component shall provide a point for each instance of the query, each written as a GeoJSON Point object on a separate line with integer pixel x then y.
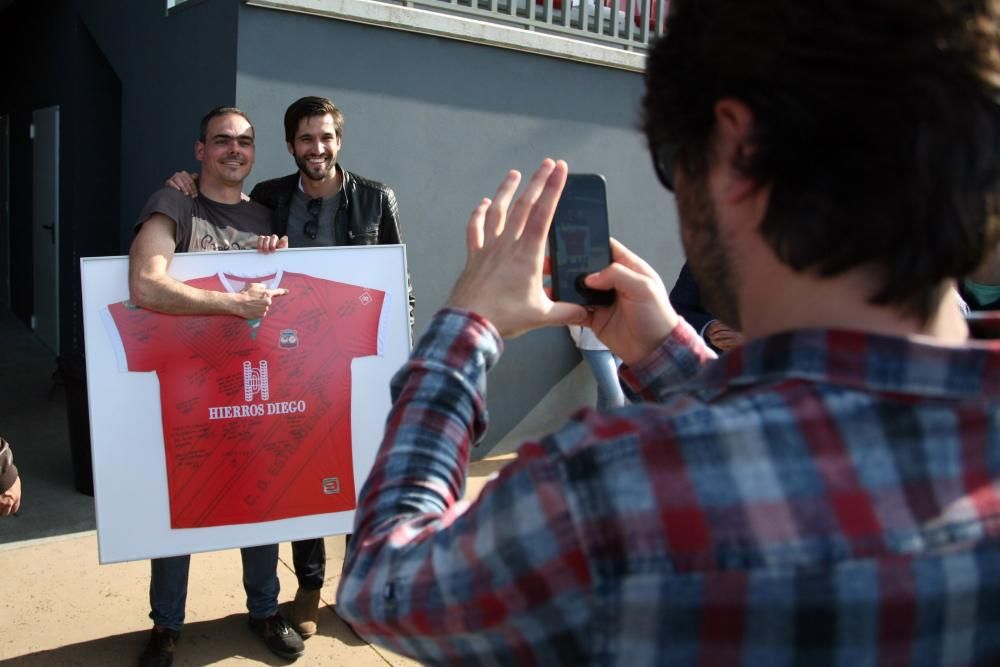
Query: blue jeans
{"type": "Point", "coordinates": [309, 557]}
{"type": "Point", "coordinates": [604, 366]}
{"type": "Point", "coordinates": [169, 580]}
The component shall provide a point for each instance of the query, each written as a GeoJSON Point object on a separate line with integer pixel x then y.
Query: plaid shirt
{"type": "Point", "coordinates": [814, 498]}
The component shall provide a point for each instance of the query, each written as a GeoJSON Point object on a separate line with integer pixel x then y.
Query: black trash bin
{"type": "Point", "coordinates": [74, 374]}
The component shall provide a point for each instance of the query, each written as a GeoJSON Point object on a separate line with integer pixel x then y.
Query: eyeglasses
{"type": "Point", "coordinates": [664, 161]}
{"type": "Point", "coordinates": [312, 224]}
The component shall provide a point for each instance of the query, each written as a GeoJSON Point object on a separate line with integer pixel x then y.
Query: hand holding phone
{"type": "Point", "coordinates": [579, 240]}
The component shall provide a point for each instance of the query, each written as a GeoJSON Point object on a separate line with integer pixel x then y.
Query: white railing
{"type": "Point", "coordinates": [628, 24]}
{"type": "Point", "coordinates": [613, 33]}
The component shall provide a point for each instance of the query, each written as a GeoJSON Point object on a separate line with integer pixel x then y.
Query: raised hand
{"type": "Point", "coordinates": [502, 279]}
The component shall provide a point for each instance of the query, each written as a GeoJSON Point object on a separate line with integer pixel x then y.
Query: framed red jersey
{"type": "Point", "coordinates": [256, 413]}
{"type": "Point", "coordinates": [212, 432]}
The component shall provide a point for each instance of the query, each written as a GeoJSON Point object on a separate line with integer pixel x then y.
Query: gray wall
{"type": "Point", "coordinates": [441, 121]}
{"type": "Point", "coordinates": [172, 70]}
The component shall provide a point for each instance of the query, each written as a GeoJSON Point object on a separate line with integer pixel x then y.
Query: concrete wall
{"type": "Point", "coordinates": [173, 69]}
{"type": "Point", "coordinates": [441, 121]}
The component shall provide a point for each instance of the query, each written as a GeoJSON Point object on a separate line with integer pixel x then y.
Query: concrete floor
{"type": "Point", "coordinates": [59, 607]}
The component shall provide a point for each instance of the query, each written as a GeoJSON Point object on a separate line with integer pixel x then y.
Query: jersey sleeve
{"type": "Point", "coordinates": [137, 336]}
{"type": "Point", "coordinates": [356, 315]}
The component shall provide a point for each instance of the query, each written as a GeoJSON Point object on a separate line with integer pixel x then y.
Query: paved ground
{"type": "Point", "coordinates": [58, 607]}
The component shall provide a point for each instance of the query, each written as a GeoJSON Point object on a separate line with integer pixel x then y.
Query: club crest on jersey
{"type": "Point", "coordinates": [288, 339]}
{"type": "Point", "coordinates": [365, 298]}
{"type": "Point", "coordinates": [331, 486]}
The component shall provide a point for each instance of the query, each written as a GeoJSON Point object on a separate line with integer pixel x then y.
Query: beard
{"type": "Point", "coordinates": [706, 251]}
{"type": "Point", "coordinates": [316, 172]}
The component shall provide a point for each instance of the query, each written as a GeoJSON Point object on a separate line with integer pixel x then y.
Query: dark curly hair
{"type": "Point", "coordinates": [876, 125]}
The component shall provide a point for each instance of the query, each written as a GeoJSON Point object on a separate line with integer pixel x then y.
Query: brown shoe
{"type": "Point", "coordinates": [305, 612]}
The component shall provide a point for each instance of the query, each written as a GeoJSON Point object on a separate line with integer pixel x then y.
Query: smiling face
{"type": "Point", "coordinates": [315, 147]}
{"type": "Point", "coordinates": [227, 151]}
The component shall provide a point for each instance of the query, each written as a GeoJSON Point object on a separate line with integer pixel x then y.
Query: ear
{"type": "Point", "coordinates": [199, 150]}
{"type": "Point", "coordinates": [734, 123]}
{"type": "Point", "coordinates": [291, 148]}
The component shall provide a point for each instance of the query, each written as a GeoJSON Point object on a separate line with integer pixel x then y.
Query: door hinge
{"type": "Point", "coordinates": [31, 131]}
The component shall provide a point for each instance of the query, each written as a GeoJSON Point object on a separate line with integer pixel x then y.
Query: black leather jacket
{"type": "Point", "coordinates": [367, 214]}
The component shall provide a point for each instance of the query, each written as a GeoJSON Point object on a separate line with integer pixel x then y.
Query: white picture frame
{"type": "Point", "coordinates": [127, 441]}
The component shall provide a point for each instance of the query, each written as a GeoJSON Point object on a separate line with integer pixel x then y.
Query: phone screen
{"type": "Point", "coordinates": [579, 240]}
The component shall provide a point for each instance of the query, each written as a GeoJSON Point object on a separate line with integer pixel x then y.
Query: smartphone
{"type": "Point", "coordinates": [579, 240]}
{"type": "Point", "coordinates": [983, 324]}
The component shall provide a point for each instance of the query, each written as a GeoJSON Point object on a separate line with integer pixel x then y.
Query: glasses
{"type": "Point", "coordinates": [664, 161]}
{"type": "Point", "coordinates": [312, 224]}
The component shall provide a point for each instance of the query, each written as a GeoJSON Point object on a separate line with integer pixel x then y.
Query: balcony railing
{"type": "Point", "coordinates": [614, 33]}
{"type": "Point", "coordinates": [628, 24]}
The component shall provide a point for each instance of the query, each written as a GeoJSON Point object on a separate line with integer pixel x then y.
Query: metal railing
{"type": "Point", "coordinates": [627, 24]}
{"type": "Point", "coordinates": [610, 33]}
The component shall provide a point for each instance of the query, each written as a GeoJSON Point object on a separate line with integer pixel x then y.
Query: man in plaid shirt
{"type": "Point", "coordinates": [826, 494]}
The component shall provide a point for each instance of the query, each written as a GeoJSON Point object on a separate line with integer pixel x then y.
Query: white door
{"type": "Point", "coordinates": [45, 198]}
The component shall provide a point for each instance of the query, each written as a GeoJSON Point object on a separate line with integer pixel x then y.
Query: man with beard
{"type": "Point", "coordinates": [321, 205]}
{"type": "Point", "coordinates": [826, 495]}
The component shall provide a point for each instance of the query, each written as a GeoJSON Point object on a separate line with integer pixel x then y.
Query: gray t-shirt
{"type": "Point", "coordinates": [298, 216]}
{"type": "Point", "coordinates": [203, 224]}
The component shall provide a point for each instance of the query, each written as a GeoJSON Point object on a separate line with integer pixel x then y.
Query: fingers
{"type": "Point", "coordinates": [184, 182]}
{"type": "Point", "coordinates": [623, 258]}
{"type": "Point", "coordinates": [623, 279]}
{"type": "Point", "coordinates": [279, 291]}
{"type": "Point", "coordinates": [622, 255]}
{"type": "Point", "coordinates": [525, 204]}
{"type": "Point", "coordinates": [536, 228]}
{"type": "Point", "coordinates": [474, 228]}
{"type": "Point", "coordinates": [269, 243]}
{"type": "Point", "coordinates": [496, 214]}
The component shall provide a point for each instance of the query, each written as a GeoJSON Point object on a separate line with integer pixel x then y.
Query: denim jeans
{"type": "Point", "coordinates": [309, 557]}
{"type": "Point", "coordinates": [169, 580]}
{"type": "Point", "coordinates": [604, 366]}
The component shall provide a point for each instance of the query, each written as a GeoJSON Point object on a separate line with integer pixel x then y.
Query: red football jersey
{"type": "Point", "coordinates": [256, 413]}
